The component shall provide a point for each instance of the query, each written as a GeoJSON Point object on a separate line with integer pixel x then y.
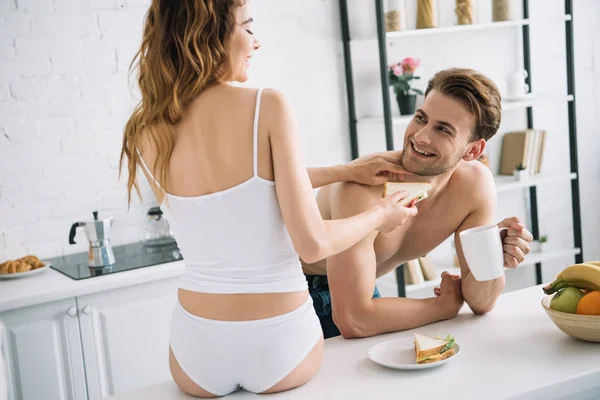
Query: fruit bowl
{"type": "Point", "coordinates": [583, 327]}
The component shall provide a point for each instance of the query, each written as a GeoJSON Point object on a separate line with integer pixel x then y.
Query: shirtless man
{"type": "Point", "coordinates": [461, 111]}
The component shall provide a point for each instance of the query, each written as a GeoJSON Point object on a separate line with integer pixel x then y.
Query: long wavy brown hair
{"type": "Point", "coordinates": [184, 50]}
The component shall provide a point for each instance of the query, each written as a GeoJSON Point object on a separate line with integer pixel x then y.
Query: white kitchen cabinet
{"type": "Point", "coordinates": [90, 346]}
{"type": "Point", "coordinates": [43, 352]}
{"type": "Point", "coordinates": [125, 337]}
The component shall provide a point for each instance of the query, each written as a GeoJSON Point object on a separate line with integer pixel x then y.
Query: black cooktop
{"type": "Point", "coordinates": [128, 257]}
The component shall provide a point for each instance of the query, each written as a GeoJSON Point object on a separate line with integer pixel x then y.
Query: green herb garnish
{"type": "Point", "coordinates": [448, 345]}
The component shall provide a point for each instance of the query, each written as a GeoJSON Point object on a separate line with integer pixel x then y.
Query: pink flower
{"type": "Point", "coordinates": [397, 69]}
{"type": "Point", "coordinates": [409, 65]}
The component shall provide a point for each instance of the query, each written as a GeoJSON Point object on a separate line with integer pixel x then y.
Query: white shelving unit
{"type": "Point", "coordinates": [456, 29]}
{"type": "Point", "coordinates": [528, 101]}
{"type": "Point", "coordinates": [534, 100]}
{"type": "Point", "coordinates": [505, 183]}
{"type": "Point", "coordinates": [452, 29]}
{"type": "Point", "coordinates": [533, 258]}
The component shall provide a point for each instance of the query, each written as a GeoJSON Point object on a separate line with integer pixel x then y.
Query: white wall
{"type": "Point", "coordinates": [64, 99]}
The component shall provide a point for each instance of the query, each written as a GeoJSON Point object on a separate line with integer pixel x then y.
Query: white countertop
{"type": "Point", "coordinates": [513, 352]}
{"type": "Point", "coordinates": [51, 285]}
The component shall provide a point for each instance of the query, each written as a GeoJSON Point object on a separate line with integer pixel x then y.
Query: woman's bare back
{"type": "Point", "coordinates": [214, 145]}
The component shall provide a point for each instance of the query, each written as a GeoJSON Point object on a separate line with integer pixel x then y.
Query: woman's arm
{"type": "Point", "coordinates": [373, 169]}
{"type": "Point", "coordinates": [323, 176]}
{"type": "Point", "coordinates": [315, 239]}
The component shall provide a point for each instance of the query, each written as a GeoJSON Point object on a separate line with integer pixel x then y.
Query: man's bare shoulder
{"type": "Point", "coordinates": [474, 178]}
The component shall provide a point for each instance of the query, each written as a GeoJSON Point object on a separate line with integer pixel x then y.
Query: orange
{"type": "Point", "coordinates": [589, 304]}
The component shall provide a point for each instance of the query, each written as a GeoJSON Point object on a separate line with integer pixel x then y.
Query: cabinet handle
{"type": "Point", "coordinates": [87, 310]}
{"type": "Point", "coordinates": [72, 311]}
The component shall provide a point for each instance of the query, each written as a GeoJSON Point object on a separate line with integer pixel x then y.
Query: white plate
{"type": "Point", "coordinates": [400, 354]}
{"type": "Point", "coordinates": [26, 273]}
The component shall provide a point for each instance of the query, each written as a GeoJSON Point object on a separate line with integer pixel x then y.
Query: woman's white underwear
{"type": "Point", "coordinates": [224, 356]}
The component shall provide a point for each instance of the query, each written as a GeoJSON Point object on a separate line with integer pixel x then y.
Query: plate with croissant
{"type": "Point", "coordinates": [24, 266]}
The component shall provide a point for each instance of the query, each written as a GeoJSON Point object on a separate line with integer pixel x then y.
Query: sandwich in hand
{"type": "Point", "coordinates": [417, 191]}
{"type": "Point", "coordinates": [429, 349]}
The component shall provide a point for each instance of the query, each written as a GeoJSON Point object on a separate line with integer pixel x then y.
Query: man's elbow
{"type": "Point", "coordinates": [482, 306]}
{"type": "Point", "coordinates": [349, 328]}
{"type": "Point", "coordinates": [351, 324]}
{"type": "Point", "coordinates": [483, 302]}
{"type": "Point", "coordinates": [481, 309]}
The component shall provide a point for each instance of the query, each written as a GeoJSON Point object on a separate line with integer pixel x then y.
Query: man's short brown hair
{"type": "Point", "coordinates": [477, 92]}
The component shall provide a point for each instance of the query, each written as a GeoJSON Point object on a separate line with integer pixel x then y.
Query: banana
{"type": "Point", "coordinates": [582, 276]}
{"type": "Point", "coordinates": [561, 285]}
{"type": "Point", "coordinates": [580, 285]}
{"type": "Point", "coordinates": [596, 263]}
{"type": "Point", "coordinates": [555, 286]}
{"type": "Point", "coordinates": [584, 285]}
{"type": "Point", "coordinates": [581, 272]}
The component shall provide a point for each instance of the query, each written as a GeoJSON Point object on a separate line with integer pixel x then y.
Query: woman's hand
{"type": "Point", "coordinates": [376, 169]}
{"type": "Point", "coordinates": [395, 214]}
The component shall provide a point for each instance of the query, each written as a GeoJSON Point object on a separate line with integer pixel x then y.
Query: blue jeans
{"type": "Point", "coordinates": [318, 287]}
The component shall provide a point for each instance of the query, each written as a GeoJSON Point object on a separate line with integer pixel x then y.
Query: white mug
{"type": "Point", "coordinates": [516, 88]}
{"type": "Point", "coordinates": [482, 248]}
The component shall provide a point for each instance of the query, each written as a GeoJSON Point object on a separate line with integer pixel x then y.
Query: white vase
{"type": "Point", "coordinates": [520, 174]}
{"type": "Point", "coordinates": [544, 247]}
{"type": "Point", "coordinates": [535, 246]}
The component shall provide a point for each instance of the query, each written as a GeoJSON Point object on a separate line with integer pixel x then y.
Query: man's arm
{"type": "Point", "coordinates": [351, 276]}
{"type": "Point", "coordinates": [479, 295]}
{"type": "Point", "coordinates": [482, 295]}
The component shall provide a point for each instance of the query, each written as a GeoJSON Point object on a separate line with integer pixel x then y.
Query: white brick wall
{"type": "Point", "coordinates": [64, 98]}
{"type": "Point", "coordinates": [63, 101]}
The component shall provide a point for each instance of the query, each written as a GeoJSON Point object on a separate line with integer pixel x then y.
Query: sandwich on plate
{"type": "Point", "coordinates": [416, 190]}
{"type": "Point", "coordinates": [430, 349]}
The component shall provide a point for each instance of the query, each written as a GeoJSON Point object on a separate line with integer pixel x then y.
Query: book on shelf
{"type": "Point", "coordinates": [419, 270]}
{"type": "Point", "coordinates": [413, 273]}
{"type": "Point", "coordinates": [540, 153]}
{"type": "Point", "coordinates": [523, 147]}
{"type": "Point", "coordinates": [429, 271]}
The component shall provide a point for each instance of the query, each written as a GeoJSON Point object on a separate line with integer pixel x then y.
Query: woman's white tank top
{"type": "Point", "coordinates": [235, 240]}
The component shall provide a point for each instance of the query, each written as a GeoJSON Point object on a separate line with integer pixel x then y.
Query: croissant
{"type": "Point", "coordinates": [29, 259]}
{"type": "Point", "coordinates": [22, 267]}
{"type": "Point", "coordinates": [13, 266]}
{"type": "Point", "coordinates": [32, 260]}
